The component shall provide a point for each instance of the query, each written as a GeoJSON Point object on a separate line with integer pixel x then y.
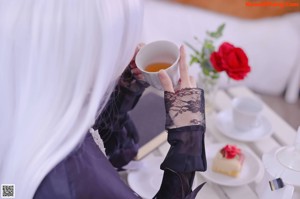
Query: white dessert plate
{"type": "Point", "coordinates": [147, 180]}
{"type": "Point", "coordinates": [225, 125]}
{"type": "Point", "coordinates": [252, 168]}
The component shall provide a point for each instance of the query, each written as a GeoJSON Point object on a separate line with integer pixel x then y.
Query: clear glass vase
{"type": "Point", "coordinates": [210, 86]}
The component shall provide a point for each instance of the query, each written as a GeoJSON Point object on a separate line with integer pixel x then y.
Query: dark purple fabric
{"type": "Point", "coordinates": [85, 173]}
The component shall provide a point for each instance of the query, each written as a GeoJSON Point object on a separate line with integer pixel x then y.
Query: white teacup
{"type": "Point", "coordinates": [159, 52]}
{"type": "Point", "coordinates": [246, 113]}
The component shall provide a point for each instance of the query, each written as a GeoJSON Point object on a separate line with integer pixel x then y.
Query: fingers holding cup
{"type": "Point", "coordinates": [158, 54]}
{"type": "Point", "coordinates": [137, 49]}
{"type": "Point", "coordinates": [137, 73]}
{"type": "Point", "coordinates": [183, 69]}
{"type": "Point", "coordinates": [165, 81]}
{"type": "Point", "coordinates": [185, 81]}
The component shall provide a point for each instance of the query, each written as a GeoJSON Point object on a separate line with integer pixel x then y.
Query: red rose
{"type": "Point", "coordinates": [230, 151]}
{"type": "Point", "coordinates": [232, 60]}
{"type": "Point", "coordinates": [216, 61]}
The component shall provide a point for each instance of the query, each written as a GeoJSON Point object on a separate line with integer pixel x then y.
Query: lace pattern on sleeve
{"type": "Point", "coordinates": [184, 108]}
{"type": "Point", "coordinates": [129, 81]}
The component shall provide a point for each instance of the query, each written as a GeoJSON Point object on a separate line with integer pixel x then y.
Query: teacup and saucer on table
{"type": "Point", "coordinates": [244, 121]}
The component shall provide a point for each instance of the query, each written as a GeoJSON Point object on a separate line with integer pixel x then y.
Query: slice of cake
{"type": "Point", "coordinates": [228, 161]}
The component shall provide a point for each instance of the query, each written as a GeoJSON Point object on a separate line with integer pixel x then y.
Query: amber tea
{"type": "Point", "coordinates": [157, 67]}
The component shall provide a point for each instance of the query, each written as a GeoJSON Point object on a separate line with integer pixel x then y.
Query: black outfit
{"type": "Point", "coordinates": [86, 173]}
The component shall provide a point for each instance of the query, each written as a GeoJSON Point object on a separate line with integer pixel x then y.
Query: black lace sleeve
{"type": "Point", "coordinates": [185, 111]}
{"type": "Point", "coordinates": [186, 129]}
{"type": "Point", "coordinates": [187, 151]}
{"type": "Point", "coordinates": [114, 125]}
{"type": "Point", "coordinates": [184, 107]}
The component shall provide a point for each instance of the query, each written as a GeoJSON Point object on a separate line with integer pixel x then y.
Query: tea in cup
{"type": "Point", "coordinates": [157, 67]}
{"type": "Point", "coordinates": [246, 113]}
{"type": "Point", "coordinates": [156, 56]}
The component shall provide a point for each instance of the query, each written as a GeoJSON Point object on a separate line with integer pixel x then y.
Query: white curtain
{"type": "Point", "coordinates": [57, 60]}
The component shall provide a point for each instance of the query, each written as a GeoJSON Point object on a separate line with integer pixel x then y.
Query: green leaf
{"type": "Point", "coordinates": [194, 59]}
{"type": "Point", "coordinates": [192, 47]}
{"type": "Point", "coordinates": [221, 28]}
{"type": "Point", "coordinates": [218, 33]}
{"type": "Point", "coordinates": [208, 44]}
{"type": "Point", "coordinates": [208, 48]}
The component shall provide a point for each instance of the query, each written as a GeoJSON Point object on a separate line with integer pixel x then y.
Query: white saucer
{"type": "Point", "coordinates": [252, 168]}
{"type": "Point", "coordinates": [224, 124]}
{"type": "Point", "coordinates": [147, 180]}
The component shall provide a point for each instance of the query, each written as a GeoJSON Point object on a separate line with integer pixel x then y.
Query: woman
{"type": "Point", "coordinates": [58, 60]}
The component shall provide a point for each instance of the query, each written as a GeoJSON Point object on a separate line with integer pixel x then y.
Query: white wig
{"type": "Point", "coordinates": [58, 59]}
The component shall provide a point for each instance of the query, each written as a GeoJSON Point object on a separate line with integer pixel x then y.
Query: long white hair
{"type": "Point", "coordinates": [58, 59]}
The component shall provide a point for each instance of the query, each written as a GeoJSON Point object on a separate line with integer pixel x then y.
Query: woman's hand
{"type": "Point", "coordinates": [185, 103]}
{"type": "Point", "coordinates": [132, 77]}
{"type": "Point", "coordinates": [185, 81]}
{"type": "Point", "coordinates": [184, 108]}
{"type": "Point", "coordinates": [134, 70]}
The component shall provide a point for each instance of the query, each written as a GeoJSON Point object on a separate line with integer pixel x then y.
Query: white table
{"type": "Point", "coordinates": [283, 135]}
